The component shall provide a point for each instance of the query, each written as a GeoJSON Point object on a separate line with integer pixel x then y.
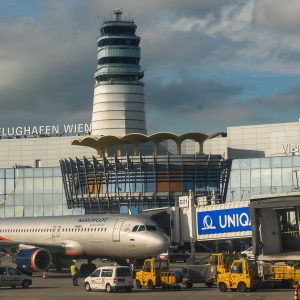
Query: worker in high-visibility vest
{"type": "Point", "coordinates": [74, 272]}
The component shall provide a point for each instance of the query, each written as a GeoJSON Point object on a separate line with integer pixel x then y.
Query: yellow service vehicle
{"type": "Point", "coordinates": [288, 275]}
{"type": "Point", "coordinates": [207, 273]}
{"type": "Point", "coordinates": [243, 276]}
{"type": "Point", "coordinates": [155, 273]}
{"type": "Point", "coordinates": [222, 261]}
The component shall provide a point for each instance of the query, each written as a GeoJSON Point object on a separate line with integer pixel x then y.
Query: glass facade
{"type": "Point", "coordinates": [40, 191]}
{"type": "Point", "coordinates": [107, 183]}
{"type": "Point", "coordinates": [257, 176]}
{"type": "Point", "coordinates": [26, 192]}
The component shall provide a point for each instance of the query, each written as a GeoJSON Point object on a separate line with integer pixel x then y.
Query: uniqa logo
{"type": "Point", "coordinates": [208, 223]}
{"type": "Point", "coordinates": [227, 221]}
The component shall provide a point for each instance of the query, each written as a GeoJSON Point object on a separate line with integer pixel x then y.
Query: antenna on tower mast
{"type": "Point", "coordinates": [118, 12]}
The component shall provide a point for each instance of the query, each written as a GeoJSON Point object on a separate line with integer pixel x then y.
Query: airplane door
{"type": "Point", "coordinates": [117, 229]}
{"type": "Point", "coordinates": [53, 231]}
{"type": "Point", "coordinates": [58, 231]}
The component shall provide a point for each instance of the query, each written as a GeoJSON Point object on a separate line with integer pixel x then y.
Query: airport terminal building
{"type": "Point", "coordinates": [31, 181]}
{"type": "Point", "coordinates": [112, 164]}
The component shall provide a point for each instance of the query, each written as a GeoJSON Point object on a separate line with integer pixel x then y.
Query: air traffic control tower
{"type": "Point", "coordinates": [118, 107]}
{"type": "Point", "coordinates": [133, 170]}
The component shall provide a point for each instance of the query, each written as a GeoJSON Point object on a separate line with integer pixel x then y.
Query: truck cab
{"type": "Point", "coordinates": [243, 276]}
{"type": "Point", "coordinates": [150, 275]}
{"type": "Point", "coordinates": [221, 262]}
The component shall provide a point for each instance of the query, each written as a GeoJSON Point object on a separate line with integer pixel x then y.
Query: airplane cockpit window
{"type": "Point", "coordinates": [135, 228]}
{"type": "Point", "coordinates": [142, 228]}
{"type": "Point", "coordinates": [150, 227]}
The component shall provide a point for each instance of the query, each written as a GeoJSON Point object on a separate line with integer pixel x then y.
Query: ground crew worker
{"type": "Point", "coordinates": [74, 272]}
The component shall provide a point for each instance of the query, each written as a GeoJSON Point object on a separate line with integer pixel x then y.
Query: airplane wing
{"type": "Point", "coordinates": [11, 247]}
{"type": "Point", "coordinates": [68, 247]}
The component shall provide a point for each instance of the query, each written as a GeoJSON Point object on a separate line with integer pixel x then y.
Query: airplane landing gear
{"type": "Point", "coordinates": [122, 262]}
{"type": "Point", "coordinates": [87, 269]}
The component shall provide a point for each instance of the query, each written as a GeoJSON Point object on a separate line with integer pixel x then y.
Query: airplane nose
{"type": "Point", "coordinates": [162, 243]}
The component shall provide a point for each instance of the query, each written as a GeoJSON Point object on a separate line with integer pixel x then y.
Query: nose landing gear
{"type": "Point", "coordinates": [87, 269]}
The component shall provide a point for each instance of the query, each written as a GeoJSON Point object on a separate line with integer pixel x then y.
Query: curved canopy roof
{"type": "Point", "coordinates": [138, 138]}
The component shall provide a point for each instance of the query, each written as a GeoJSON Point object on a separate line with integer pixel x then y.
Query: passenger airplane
{"type": "Point", "coordinates": [35, 243]}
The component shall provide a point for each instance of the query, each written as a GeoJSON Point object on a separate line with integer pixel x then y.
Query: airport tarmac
{"type": "Point", "coordinates": [59, 286]}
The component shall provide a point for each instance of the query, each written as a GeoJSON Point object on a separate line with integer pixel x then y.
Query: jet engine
{"type": "Point", "coordinates": [35, 259]}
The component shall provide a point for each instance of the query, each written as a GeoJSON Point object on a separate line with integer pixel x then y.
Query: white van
{"type": "Point", "coordinates": [110, 278]}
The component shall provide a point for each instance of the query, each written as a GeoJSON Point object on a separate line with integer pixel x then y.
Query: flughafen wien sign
{"type": "Point", "coordinates": [68, 129]}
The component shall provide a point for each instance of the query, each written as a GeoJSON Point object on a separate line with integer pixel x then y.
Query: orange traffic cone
{"type": "Point", "coordinates": [296, 295]}
{"type": "Point", "coordinates": [44, 275]}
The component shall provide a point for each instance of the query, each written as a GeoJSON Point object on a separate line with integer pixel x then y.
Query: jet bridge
{"type": "Point", "coordinates": [276, 226]}
{"type": "Point", "coordinates": [200, 219]}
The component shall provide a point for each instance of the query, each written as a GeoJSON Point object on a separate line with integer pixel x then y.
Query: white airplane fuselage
{"type": "Point", "coordinates": [121, 236]}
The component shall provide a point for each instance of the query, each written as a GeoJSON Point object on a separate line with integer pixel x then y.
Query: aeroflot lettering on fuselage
{"type": "Point", "coordinates": [92, 220]}
{"type": "Point", "coordinates": [222, 221]}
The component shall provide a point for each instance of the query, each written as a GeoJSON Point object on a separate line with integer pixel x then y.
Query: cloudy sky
{"type": "Point", "coordinates": [209, 64]}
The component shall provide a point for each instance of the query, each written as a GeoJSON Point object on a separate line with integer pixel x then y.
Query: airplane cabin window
{"type": "Point", "coordinates": [135, 228]}
{"type": "Point", "coordinates": [142, 228]}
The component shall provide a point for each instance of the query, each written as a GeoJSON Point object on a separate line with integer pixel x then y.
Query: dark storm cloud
{"type": "Point", "coordinates": [46, 68]}
{"type": "Point", "coordinates": [178, 107]}
{"type": "Point", "coordinates": [282, 103]}
{"type": "Point", "coordinates": [189, 94]}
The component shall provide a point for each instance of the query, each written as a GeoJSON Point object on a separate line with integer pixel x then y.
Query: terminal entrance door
{"type": "Point", "coordinates": [289, 229]}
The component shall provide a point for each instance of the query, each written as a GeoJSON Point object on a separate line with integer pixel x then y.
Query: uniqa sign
{"type": "Point", "coordinates": [224, 220]}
